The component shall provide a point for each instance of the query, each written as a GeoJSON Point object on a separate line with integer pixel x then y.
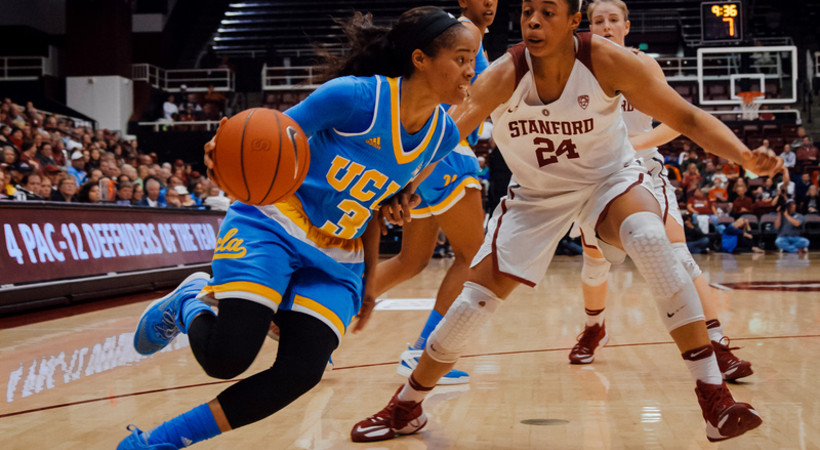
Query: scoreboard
{"type": "Point", "coordinates": [721, 21]}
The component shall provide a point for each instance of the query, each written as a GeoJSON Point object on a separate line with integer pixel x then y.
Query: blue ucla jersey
{"type": "Point", "coordinates": [362, 156]}
{"type": "Point", "coordinates": [303, 254]}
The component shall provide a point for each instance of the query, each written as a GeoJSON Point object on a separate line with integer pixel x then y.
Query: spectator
{"type": "Point", "coordinates": [743, 204]}
{"type": "Point", "coordinates": [806, 154]}
{"type": "Point", "coordinates": [46, 187]}
{"type": "Point", "coordinates": [765, 192]}
{"type": "Point", "coordinates": [789, 187]}
{"type": "Point", "coordinates": [702, 210]}
{"type": "Point", "coordinates": [691, 178]}
{"type": "Point", "coordinates": [197, 192]}
{"type": "Point", "coordinates": [28, 155]}
{"type": "Point", "coordinates": [77, 167]}
{"type": "Point", "coordinates": [788, 223]}
{"type": "Point", "coordinates": [125, 192]}
{"type": "Point", "coordinates": [6, 190]}
{"type": "Point", "coordinates": [708, 175]}
{"type": "Point", "coordinates": [798, 141]}
{"type": "Point", "coordinates": [810, 203]}
{"type": "Point", "coordinates": [764, 145]}
{"type": "Point", "coordinates": [214, 104]}
{"type": "Point", "coordinates": [731, 170]}
{"type": "Point", "coordinates": [693, 159]}
{"type": "Point", "coordinates": [170, 109]}
{"type": "Point", "coordinates": [66, 190]}
{"type": "Point", "coordinates": [45, 155]}
{"type": "Point", "coordinates": [737, 238]}
{"type": "Point", "coordinates": [96, 175]}
{"type": "Point", "coordinates": [172, 199]}
{"type": "Point", "coordinates": [152, 191]}
{"type": "Point", "coordinates": [779, 201]}
{"type": "Point", "coordinates": [216, 200]}
{"type": "Point", "coordinates": [695, 239]}
{"type": "Point", "coordinates": [185, 199]}
{"type": "Point", "coordinates": [9, 155]}
{"type": "Point", "coordinates": [53, 173]}
{"type": "Point", "coordinates": [718, 193]}
{"type": "Point", "coordinates": [801, 186]}
{"type": "Point", "coordinates": [789, 158]}
{"type": "Point", "coordinates": [89, 193]}
{"type": "Point", "coordinates": [139, 193]}
{"type": "Point", "coordinates": [29, 187]}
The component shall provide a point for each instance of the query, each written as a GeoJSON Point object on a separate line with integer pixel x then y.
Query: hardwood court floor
{"type": "Point", "coordinates": [73, 382]}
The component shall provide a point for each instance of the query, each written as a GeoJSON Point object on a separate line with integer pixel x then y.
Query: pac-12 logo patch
{"type": "Point", "coordinates": [583, 101]}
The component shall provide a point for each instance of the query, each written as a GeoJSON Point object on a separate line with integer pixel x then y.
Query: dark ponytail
{"type": "Point", "coordinates": [386, 51]}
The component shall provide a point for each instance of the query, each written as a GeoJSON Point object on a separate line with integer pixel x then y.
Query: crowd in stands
{"type": "Point", "coordinates": [47, 158]}
{"type": "Point", "coordinates": [189, 107]}
{"type": "Point", "coordinates": [719, 197]}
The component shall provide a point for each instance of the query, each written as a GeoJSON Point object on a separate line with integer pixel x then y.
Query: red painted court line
{"type": "Point", "coordinates": [360, 366]}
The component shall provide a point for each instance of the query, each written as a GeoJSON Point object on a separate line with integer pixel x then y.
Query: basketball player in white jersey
{"type": "Point", "coordinates": [555, 104]}
{"type": "Point", "coordinates": [610, 19]}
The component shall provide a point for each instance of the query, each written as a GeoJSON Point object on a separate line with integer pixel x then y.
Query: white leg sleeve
{"type": "Point", "coordinates": [466, 315]}
{"type": "Point", "coordinates": [683, 255]}
{"type": "Point", "coordinates": [644, 238]}
{"type": "Point", "coordinates": [595, 271]}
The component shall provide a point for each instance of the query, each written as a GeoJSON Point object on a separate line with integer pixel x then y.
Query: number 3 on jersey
{"type": "Point", "coordinates": [547, 154]}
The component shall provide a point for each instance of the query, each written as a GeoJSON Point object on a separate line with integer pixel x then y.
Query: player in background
{"type": "Point", "coordinates": [309, 260]}
{"type": "Point", "coordinates": [555, 100]}
{"type": "Point", "coordinates": [610, 19]}
{"type": "Point", "coordinates": [450, 200]}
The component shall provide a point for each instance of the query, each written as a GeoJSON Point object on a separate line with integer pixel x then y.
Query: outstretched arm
{"type": "Point", "coordinates": [658, 136]}
{"type": "Point", "coordinates": [492, 88]}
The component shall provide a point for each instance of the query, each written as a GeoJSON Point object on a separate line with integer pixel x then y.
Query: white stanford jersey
{"type": "Point", "coordinates": [579, 139]}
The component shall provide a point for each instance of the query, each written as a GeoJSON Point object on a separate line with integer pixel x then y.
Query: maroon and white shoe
{"type": "Point", "coordinates": [725, 418]}
{"type": "Point", "coordinates": [591, 338]}
{"type": "Point", "coordinates": [731, 366]}
{"type": "Point", "coordinates": [395, 419]}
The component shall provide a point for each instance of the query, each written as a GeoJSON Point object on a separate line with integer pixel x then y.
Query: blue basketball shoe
{"type": "Point", "coordinates": [161, 321]}
{"type": "Point", "coordinates": [136, 440]}
{"type": "Point", "coordinates": [410, 358]}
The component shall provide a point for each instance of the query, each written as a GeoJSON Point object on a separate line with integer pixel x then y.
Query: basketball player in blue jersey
{"type": "Point", "coordinates": [309, 260]}
{"type": "Point", "coordinates": [610, 19]}
{"type": "Point", "coordinates": [555, 100]}
{"type": "Point", "coordinates": [450, 200]}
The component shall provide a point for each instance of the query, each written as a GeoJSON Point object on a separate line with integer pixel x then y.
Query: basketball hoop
{"type": "Point", "coordinates": [749, 105]}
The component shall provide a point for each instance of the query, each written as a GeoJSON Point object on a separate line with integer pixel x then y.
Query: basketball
{"type": "Point", "coordinates": [261, 156]}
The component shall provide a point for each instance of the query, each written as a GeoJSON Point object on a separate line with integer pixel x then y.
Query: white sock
{"type": "Point", "coordinates": [702, 367]}
{"type": "Point", "coordinates": [412, 391]}
{"type": "Point", "coordinates": [595, 317]}
{"type": "Point", "coordinates": [714, 329]}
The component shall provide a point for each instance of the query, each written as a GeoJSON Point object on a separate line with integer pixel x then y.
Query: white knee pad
{"type": "Point", "coordinates": [683, 255]}
{"type": "Point", "coordinates": [595, 271]}
{"type": "Point", "coordinates": [466, 315]}
{"type": "Point", "coordinates": [644, 239]}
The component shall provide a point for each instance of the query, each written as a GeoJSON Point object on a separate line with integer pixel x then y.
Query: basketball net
{"type": "Point", "coordinates": [749, 106]}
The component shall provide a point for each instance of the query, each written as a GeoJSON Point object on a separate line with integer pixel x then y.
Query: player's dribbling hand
{"type": "Point", "coordinates": [397, 209]}
{"type": "Point", "coordinates": [762, 162]}
{"type": "Point", "coordinates": [209, 150]}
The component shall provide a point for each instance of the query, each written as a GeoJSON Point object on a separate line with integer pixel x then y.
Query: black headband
{"type": "Point", "coordinates": [428, 28]}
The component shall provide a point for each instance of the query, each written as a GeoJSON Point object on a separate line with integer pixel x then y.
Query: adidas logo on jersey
{"type": "Point", "coordinates": [375, 142]}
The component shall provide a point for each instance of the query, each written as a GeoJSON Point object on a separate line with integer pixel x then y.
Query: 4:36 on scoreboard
{"type": "Point", "coordinates": [721, 21]}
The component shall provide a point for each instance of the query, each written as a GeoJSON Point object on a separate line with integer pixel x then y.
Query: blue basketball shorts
{"type": "Point", "coordinates": [448, 182]}
{"type": "Point", "coordinates": [274, 256]}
